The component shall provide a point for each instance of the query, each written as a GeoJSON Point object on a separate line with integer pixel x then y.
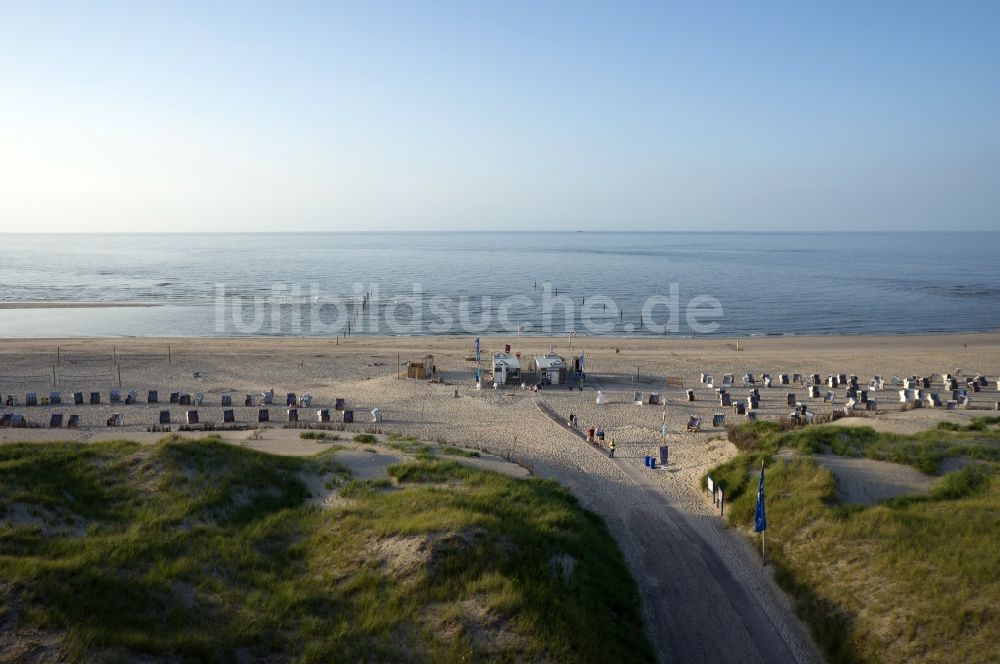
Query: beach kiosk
{"type": "Point", "coordinates": [551, 368]}
{"type": "Point", "coordinates": [420, 369]}
{"type": "Point", "coordinates": [506, 369]}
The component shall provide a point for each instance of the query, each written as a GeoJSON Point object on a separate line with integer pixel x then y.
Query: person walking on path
{"type": "Point", "coordinates": [611, 448]}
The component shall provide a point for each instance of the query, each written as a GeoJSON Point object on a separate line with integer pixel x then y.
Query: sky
{"type": "Point", "coordinates": [342, 116]}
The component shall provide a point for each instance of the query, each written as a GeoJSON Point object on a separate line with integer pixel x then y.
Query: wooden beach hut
{"type": "Point", "coordinates": [506, 369]}
{"type": "Point", "coordinates": [420, 369]}
{"type": "Point", "coordinates": [550, 368]}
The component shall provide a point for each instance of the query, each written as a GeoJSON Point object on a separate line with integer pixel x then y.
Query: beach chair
{"type": "Point", "coordinates": [690, 395]}
{"type": "Point", "coordinates": [790, 398]}
{"type": "Point", "coordinates": [74, 422]}
{"type": "Point", "coordinates": [191, 417]}
{"type": "Point", "coordinates": [637, 398]}
{"type": "Point", "coordinates": [114, 396]}
{"type": "Point", "coordinates": [694, 425]}
{"type": "Point", "coordinates": [703, 377]}
{"type": "Point", "coordinates": [348, 416]}
{"type": "Point", "coordinates": [751, 416]}
{"type": "Point", "coordinates": [10, 401]}
{"type": "Point", "coordinates": [227, 400]}
{"type": "Point", "coordinates": [376, 415]}
{"type": "Point", "coordinates": [55, 398]}
{"type": "Point", "coordinates": [263, 415]}
{"type": "Point", "coordinates": [305, 400]}
{"type": "Point", "coordinates": [725, 399]}
{"type": "Point", "coordinates": [740, 408]}
{"type": "Point", "coordinates": [152, 396]}
{"type": "Point", "coordinates": [654, 399]}
{"type": "Point", "coordinates": [268, 397]}
{"type": "Point", "coordinates": [228, 416]}
{"type": "Point", "coordinates": [753, 403]}
{"type": "Point", "coordinates": [340, 404]}
{"type": "Point", "coordinates": [293, 414]}
{"type": "Point", "coordinates": [718, 420]}
{"type": "Point", "coordinates": [249, 401]}
{"type": "Point", "coordinates": [814, 391]}
{"type": "Point", "coordinates": [31, 399]}
{"type": "Point", "coordinates": [291, 399]}
{"type": "Point", "coordinates": [175, 397]}
{"type": "Point", "coordinates": [727, 381]}
{"type": "Point", "coordinates": [116, 420]}
{"type": "Point", "coordinates": [323, 415]}
{"type": "Point", "coordinates": [709, 381]}
{"type": "Point", "coordinates": [95, 398]}
{"type": "Point", "coordinates": [783, 378]}
{"type": "Point", "coordinates": [796, 378]}
{"type": "Point", "coordinates": [164, 417]}
{"type": "Point", "coordinates": [766, 380]}
{"type": "Point", "coordinates": [132, 397]}
{"type": "Point", "coordinates": [199, 399]}
{"type": "Point", "coordinates": [184, 399]}
{"type": "Point", "coordinates": [56, 421]}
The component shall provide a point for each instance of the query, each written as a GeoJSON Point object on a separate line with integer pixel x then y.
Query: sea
{"type": "Point", "coordinates": [479, 283]}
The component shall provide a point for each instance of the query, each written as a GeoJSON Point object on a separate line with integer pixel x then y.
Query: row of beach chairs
{"type": "Point", "coordinates": [191, 417]}
{"type": "Point", "coordinates": [153, 396]}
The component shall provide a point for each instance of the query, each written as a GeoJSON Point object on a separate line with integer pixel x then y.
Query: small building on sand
{"type": "Point", "coordinates": [421, 369]}
{"type": "Point", "coordinates": [551, 368]}
{"type": "Point", "coordinates": [506, 369]}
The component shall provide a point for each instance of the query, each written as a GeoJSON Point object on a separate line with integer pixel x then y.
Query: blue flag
{"type": "Point", "coordinates": [759, 519]}
{"type": "Point", "coordinates": [477, 349]}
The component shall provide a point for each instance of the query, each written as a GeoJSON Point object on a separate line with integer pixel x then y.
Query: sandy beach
{"type": "Point", "coordinates": [680, 553]}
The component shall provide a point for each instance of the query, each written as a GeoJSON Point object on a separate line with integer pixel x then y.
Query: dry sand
{"type": "Point", "coordinates": [705, 594]}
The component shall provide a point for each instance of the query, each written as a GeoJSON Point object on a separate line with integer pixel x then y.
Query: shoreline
{"type": "Point", "coordinates": [75, 305]}
{"type": "Point", "coordinates": [558, 341]}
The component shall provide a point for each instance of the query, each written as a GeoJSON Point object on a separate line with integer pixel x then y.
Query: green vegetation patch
{"type": "Point", "coordinates": [911, 579]}
{"type": "Point", "coordinates": [319, 436]}
{"type": "Point", "coordinates": [924, 450]}
{"type": "Point", "coordinates": [205, 551]}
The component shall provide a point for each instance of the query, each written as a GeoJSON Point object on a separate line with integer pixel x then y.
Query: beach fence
{"type": "Point", "coordinates": [85, 355]}
{"type": "Point", "coordinates": [11, 380]}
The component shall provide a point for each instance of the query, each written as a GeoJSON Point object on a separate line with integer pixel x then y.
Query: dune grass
{"type": "Point", "coordinates": [924, 450]}
{"type": "Point", "coordinates": [204, 551]}
{"type": "Point", "coordinates": [911, 579]}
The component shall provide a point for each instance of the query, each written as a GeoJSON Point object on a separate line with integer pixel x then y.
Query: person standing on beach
{"type": "Point", "coordinates": [611, 449]}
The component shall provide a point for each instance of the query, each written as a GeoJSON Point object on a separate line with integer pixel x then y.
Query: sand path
{"type": "Point", "coordinates": [679, 560]}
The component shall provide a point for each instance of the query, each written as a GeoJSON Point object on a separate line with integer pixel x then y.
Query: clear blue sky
{"type": "Point", "coordinates": [366, 115]}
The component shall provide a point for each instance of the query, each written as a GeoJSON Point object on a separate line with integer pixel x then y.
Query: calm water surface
{"type": "Point", "coordinates": [765, 283]}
